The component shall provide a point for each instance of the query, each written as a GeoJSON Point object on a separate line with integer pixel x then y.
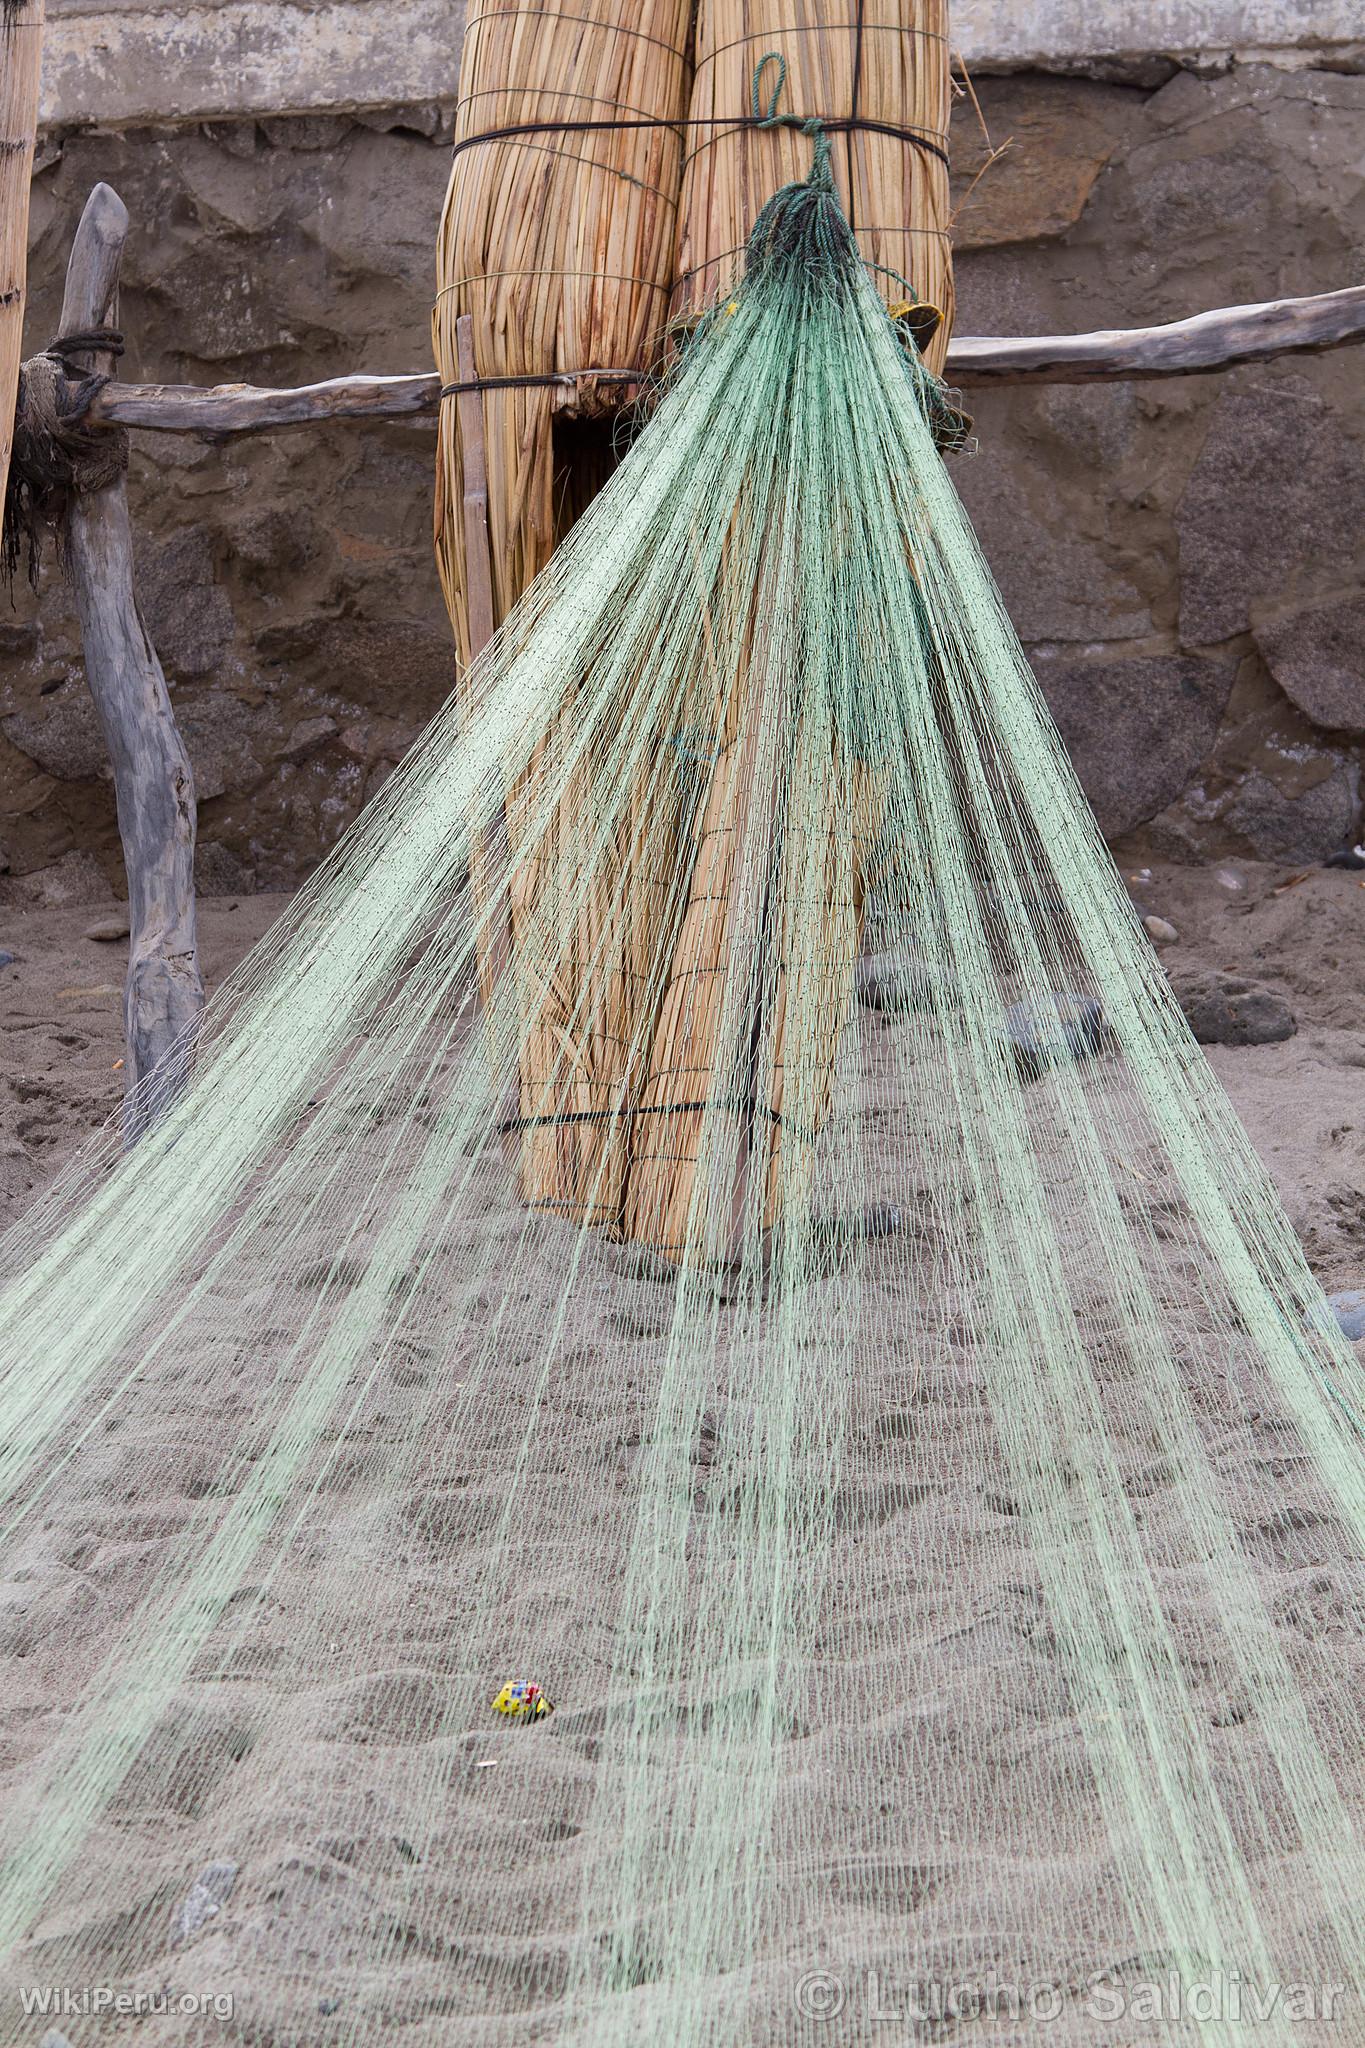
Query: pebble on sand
{"type": "Point", "coordinates": [1053, 1030]}
{"type": "Point", "coordinates": [108, 929]}
{"type": "Point", "coordinates": [210, 1891]}
{"type": "Point", "coordinates": [6, 959]}
{"type": "Point", "coordinates": [1227, 1009]}
{"type": "Point", "coordinates": [895, 982]}
{"type": "Point", "coordinates": [1159, 932]}
{"type": "Point", "coordinates": [1349, 1309]}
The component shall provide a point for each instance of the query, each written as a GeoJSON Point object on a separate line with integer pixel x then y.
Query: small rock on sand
{"type": "Point", "coordinates": [1349, 1310]}
{"type": "Point", "coordinates": [6, 959]}
{"type": "Point", "coordinates": [107, 929]}
{"type": "Point", "coordinates": [895, 982]}
{"type": "Point", "coordinates": [210, 1891]}
{"type": "Point", "coordinates": [1053, 1030]}
{"type": "Point", "coordinates": [1159, 932]}
{"type": "Point", "coordinates": [1227, 1009]}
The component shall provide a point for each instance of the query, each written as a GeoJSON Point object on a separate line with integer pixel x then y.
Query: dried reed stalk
{"type": "Point", "coordinates": [21, 45]}
{"type": "Point", "coordinates": [895, 194]}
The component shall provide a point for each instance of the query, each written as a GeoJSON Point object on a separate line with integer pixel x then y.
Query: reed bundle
{"type": "Point", "coordinates": [559, 245]}
{"type": "Point", "coordinates": [884, 64]}
{"type": "Point", "coordinates": [896, 197]}
{"type": "Point", "coordinates": [555, 256]}
{"type": "Point", "coordinates": [556, 250]}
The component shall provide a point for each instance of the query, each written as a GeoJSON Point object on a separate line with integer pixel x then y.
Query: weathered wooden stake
{"type": "Point", "coordinates": [21, 46]}
{"type": "Point", "coordinates": [164, 993]}
{"type": "Point", "coordinates": [479, 566]}
{"type": "Point", "coordinates": [488, 854]}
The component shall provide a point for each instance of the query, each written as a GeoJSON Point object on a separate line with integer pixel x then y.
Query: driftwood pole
{"type": "Point", "coordinates": [164, 993]}
{"type": "Point", "coordinates": [21, 48]}
{"type": "Point", "coordinates": [1184, 348]}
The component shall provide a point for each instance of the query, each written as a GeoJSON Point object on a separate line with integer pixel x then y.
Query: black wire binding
{"type": "Point", "coordinates": [527, 382]}
{"type": "Point", "coordinates": [835, 127]}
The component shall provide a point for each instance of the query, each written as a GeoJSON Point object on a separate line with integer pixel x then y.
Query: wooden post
{"type": "Point", "coordinates": [488, 853]}
{"type": "Point", "coordinates": [21, 47]}
{"type": "Point", "coordinates": [164, 993]}
{"type": "Point", "coordinates": [478, 562]}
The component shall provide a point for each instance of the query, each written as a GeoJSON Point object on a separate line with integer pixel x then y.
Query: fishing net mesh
{"type": "Point", "coordinates": [769, 1266]}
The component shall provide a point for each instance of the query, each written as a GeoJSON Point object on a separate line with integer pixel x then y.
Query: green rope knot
{"type": "Point", "coordinates": [821, 177]}
{"type": "Point", "coordinates": [821, 174]}
{"type": "Point", "coordinates": [769, 118]}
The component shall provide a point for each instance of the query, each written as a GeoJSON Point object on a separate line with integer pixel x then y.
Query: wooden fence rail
{"type": "Point", "coordinates": [1184, 348]}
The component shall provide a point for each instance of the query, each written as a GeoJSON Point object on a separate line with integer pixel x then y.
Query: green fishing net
{"type": "Point", "coordinates": [705, 1205]}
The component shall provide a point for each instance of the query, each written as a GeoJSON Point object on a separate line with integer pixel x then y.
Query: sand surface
{"type": "Point", "coordinates": [341, 1727]}
{"type": "Point", "coordinates": [1302, 1101]}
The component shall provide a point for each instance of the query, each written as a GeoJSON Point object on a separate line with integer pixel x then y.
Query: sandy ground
{"type": "Point", "coordinates": [337, 1733]}
{"type": "Point", "coordinates": [1302, 1101]}
{"type": "Point", "coordinates": [61, 1017]}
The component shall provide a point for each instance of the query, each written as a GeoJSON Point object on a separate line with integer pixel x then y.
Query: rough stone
{"type": "Point", "coordinates": [895, 982]}
{"type": "Point", "coordinates": [1137, 730]}
{"type": "Point", "coordinates": [61, 733]}
{"type": "Point", "coordinates": [76, 878]}
{"type": "Point", "coordinates": [218, 871]}
{"type": "Point", "coordinates": [1274, 447]}
{"type": "Point", "coordinates": [273, 540]}
{"type": "Point", "coordinates": [1318, 659]}
{"type": "Point", "coordinates": [1226, 1009]}
{"type": "Point", "coordinates": [188, 615]}
{"type": "Point", "coordinates": [1297, 828]}
{"type": "Point", "coordinates": [1050, 1031]}
{"type": "Point", "coordinates": [1348, 1308]}
{"type": "Point", "coordinates": [221, 757]}
{"type": "Point", "coordinates": [108, 929]}
{"type": "Point", "coordinates": [1054, 147]}
{"type": "Point", "coordinates": [204, 1900]}
{"type": "Point", "coordinates": [1057, 580]}
{"type": "Point", "coordinates": [306, 737]}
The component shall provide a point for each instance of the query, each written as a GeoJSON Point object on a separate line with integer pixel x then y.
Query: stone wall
{"type": "Point", "coordinates": [128, 62]}
{"type": "Point", "coordinates": [1182, 559]}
